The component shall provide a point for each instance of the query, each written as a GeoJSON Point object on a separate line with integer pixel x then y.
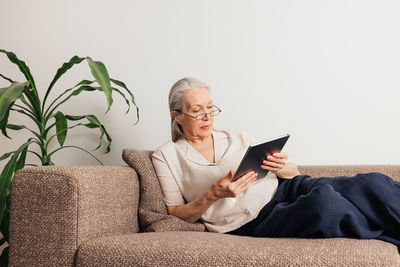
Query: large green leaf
{"type": "Point", "coordinates": [58, 149]}
{"type": "Point", "coordinates": [49, 113]}
{"type": "Point", "coordinates": [22, 159]}
{"type": "Point", "coordinates": [124, 97]}
{"type": "Point", "coordinates": [74, 118]}
{"type": "Point", "coordinates": [31, 92]}
{"type": "Point", "coordinates": [3, 124]}
{"type": "Point", "coordinates": [21, 65]}
{"type": "Point", "coordinates": [83, 82]}
{"type": "Point", "coordinates": [6, 176]}
{"type": "Point", "coordinates": [20, 127]}
{"type": "Point", "coordinates": [8, 95]}
{"type": "Point", "coordinates": [6, 78]}
{"type": "Point", "coordinates": [6, 155]}
{"type": "Point", "coordinates": [61, 127]}
{"type": "Point", "coordinates": [4, 257]}
{"type": "Point", "coordinates": [82, 89]}
{"type": "Point", "coordinates": [5, 224]}
{"type": "Point", "coordinates": [94, 123]}
{"type": "Point", "coordinates": [63, 69]}
{"type": "Point", "coordinates": [15, 127]}
{"type": "Point", "coordinates": [121, 84]}
{"type": "Point", "coordinates": [91, 88]}
{"type": "Point", "coordinates": [22, 98]}
{"type": "Point", "coordinates": [27, 114]}
{"type": "Point", "coordinates": [34, 101]}
{"type": "Point", "coordinates": [100, 73]}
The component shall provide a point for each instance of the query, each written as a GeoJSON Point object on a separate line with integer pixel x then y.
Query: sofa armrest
{"type": "Point", "coordinates": [392, 171]}
{"type": "Point", "coordinates": [53, 209]}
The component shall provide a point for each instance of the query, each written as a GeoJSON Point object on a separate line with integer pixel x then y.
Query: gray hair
{"type": "Point", "coordinates": [176, 101]}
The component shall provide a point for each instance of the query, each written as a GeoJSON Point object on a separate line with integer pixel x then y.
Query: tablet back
{"type": "Point", "coordinates": [255, 155]}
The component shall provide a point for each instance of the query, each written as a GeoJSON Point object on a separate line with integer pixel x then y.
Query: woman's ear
{"type": "Point", "coordinates": [175, 115]}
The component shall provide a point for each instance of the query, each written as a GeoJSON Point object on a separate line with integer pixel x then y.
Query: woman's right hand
{"type": "Point", "coordinates": [223, 187]}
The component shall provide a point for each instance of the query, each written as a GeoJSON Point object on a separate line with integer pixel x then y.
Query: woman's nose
{"type": "Point", "coordinates": [207, 116]}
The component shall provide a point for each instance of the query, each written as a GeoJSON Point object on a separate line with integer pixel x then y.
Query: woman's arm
{"type": "Point", "coordinates": [192, 211]}
{"type": "Point", "coordinates": [221, 188]}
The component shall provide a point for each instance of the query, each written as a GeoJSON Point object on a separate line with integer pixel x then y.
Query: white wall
{"type": "Point", "coordinates": [328, 72]}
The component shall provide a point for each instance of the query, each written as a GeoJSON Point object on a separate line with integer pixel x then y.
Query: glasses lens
{"type": "Point", "coordinates": [215, 113]}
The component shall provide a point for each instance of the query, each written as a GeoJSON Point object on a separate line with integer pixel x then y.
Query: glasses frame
{"type": "Point", "coordinates": [202, 115]}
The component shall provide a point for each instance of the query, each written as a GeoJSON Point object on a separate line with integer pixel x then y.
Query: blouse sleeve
{"type": "Point", "coordinates": [170, 189]}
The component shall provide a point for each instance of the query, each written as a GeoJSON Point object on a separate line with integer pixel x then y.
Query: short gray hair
{"type": "Point", "coordinates": [175, 101]}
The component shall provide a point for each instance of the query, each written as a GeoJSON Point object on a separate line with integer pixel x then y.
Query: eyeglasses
{"type": "Point", "coordinates": [201, 116]}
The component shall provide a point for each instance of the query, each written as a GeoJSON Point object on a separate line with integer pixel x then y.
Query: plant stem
{"type": "Point", "coordinates": [43, 148]}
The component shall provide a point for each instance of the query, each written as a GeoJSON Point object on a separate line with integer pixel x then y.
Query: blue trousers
{"type": "Point", "coordinates": [363, 206]}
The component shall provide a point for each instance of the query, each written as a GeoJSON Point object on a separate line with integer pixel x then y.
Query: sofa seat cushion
{"type": "Point", "coordinates": [213, 249]}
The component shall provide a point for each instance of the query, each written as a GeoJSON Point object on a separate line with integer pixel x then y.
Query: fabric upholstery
{"type": "Point", "coordinates": [392, 171]}
{"type": "Point", "coordinates": [153, 213]}
{"type": "Point", "coordinates": [213, 249]}
{"type": "Point", "coordinates": [54, 209]}
{"type": "Point", "coordinates": [87, 216]}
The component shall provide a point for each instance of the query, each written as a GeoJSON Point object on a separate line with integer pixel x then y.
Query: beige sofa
{"type": "Point", "coordinates": [115, 216]}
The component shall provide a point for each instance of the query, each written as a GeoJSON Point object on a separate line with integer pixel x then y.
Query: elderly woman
{"type": "Point", "coordinates": [195, 172]}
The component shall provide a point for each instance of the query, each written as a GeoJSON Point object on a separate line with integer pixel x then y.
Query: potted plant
{"type": "Point", "coordinates": [50, 122]}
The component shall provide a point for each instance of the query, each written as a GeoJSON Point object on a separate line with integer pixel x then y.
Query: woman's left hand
{"type": "Point", "coordinates": [276, 163]}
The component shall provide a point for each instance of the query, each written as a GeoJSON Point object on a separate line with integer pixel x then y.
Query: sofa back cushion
{"type": "Point", "coordinates": [153, 215]}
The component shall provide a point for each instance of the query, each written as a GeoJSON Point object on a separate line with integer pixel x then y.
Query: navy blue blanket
{"type": "Point", "coordinates": [363, 206]}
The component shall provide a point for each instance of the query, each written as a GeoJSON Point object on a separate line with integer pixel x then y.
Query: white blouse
{"type": "Point", "coordinates": [185, 175]}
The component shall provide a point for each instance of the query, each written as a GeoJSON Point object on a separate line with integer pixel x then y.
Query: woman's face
{"type": "Point", "coordinates": [196, 101]}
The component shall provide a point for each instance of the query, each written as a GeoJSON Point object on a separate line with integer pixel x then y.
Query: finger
{"type": "Point", "coordinates": [266, 167]}
{"type": "Point", "coordinates": [240, 180]}
{"type": "Point", "coordinates": [274, 159]}
{"type": "Point", "coordinates": [244, 180]}
{"type": "Point", "coordinates": [248, 184]}
{"type": "Point", "coordinates": [236, 187]}
{"type": "Point", "coordinates": [281, 155]}
{"type": "Point", "coordinates": [229, 176]}
{"type": "Point", "coordinates": [273, 164]}
{"type": "Point", "coordinates": [245, 177]}
{"type": "Point", "coordinates": [245, 184]}
{"type": "Point", "coordinates": [270, 168]}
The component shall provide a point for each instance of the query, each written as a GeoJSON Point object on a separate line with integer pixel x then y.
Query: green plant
{"type": "Point", "coordinates": [23, 97]}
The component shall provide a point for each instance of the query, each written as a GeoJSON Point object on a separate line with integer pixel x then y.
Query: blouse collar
{"type": "Point", "coordinates": [192, 154]}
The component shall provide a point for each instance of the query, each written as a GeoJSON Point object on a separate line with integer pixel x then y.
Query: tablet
{"type": "Point", "coordinates": [256, 153]}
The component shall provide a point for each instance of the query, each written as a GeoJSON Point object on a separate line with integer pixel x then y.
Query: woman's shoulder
{"type": "Point", "coordinates": [169, 148]}
{"type": "Point", "coordinates": [164, 147]}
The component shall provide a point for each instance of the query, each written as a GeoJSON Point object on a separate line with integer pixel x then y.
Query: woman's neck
{"type": "Point", "coordinates": [199, 141]}
{"type": "Point", "coordinates": [205, 146]}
